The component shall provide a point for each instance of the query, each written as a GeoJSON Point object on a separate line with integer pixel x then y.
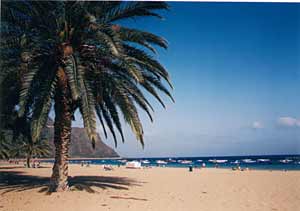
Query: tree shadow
{"type": "Point", "coordinates": [11, 181]}
{"type": "Point", "coordinates": [104, 182]}
{"type": "Point", "coordinates": [18, 167]}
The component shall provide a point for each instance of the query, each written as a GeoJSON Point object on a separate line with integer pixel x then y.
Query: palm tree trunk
{"type": "Point", "coordinates": [28, 161]}
{"type": "Point", "coordinates": [62, 134]}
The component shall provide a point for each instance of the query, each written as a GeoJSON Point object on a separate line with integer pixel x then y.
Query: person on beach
{"type": "Point", "coordinates": [107, 168]}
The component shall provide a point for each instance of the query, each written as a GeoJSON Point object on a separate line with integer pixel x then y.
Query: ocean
{"type": "Point", "coordinates": [263, 162]}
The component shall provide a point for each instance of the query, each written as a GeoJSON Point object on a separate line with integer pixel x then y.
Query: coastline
{"type": "Point", "coordinates": [257, 162]}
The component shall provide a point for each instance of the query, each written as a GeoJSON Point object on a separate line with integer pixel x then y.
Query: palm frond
{"type": "Point", "coordinates": [130, 114]}
{"type": "Point", "coordinates": [158, 84]}
{"type": "Point", "coordinates": [4, 146]}
{"type": "Point", "coordinates": [25, 88]}
{"type": "Point", "coordinates": [153, 92]}
{"type": "Point", "coordinates": [147, 62]}
{"type": "Point", "coordinates": [141, 37]}
{"type": "Point", "coordinates": [42, 108]}
{"type": "Point", "coordinates": [71, 71]}
{"type": "Point", "coordinates": [108, 70]}
{"type": "Point", "coordinates": [87, 105]}
{"type": "Point", "coordinates": [98, 111]}
{"type": "Point", "coordinates": [101, 109]}
{"type": "Point", "coordinates": [114, 114]}
{"type": "Point", "coordinates": [135, 9]}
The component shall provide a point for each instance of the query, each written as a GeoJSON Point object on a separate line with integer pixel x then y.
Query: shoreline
{"type": "Point", "coordinates": [3, 165]}
{"type": "Point", "coordinates": [176, 157]}
{"type": "Point", "coordinates": [263, 163]}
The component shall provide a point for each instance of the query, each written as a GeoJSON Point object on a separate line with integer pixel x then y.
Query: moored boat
{"type": "Point", "coordinates": [263, 160]}
{"type": "Point", "coordinates": [285, 161]}
{"type": "Point", "coordinates": [212, 160]}
{"type": "Point", "coordinates": [122, 161]}
{"type": "Point", "coordinates": [161, 162]}
{"type": "Point", "coordinates": [172, 160]}
{"type": "Point", "coordinates": [133, 165]}
{"type": "Point", "coordinates": [186, 162]}
{"type": "Point", "coordinates": [248, 161]}
{"type": "Point", "coordinates": [236, 162]}
{"type": "Point", "coordinates": [145, 161]}
{"type": "Point", "coordinates": [221, 161]}
{"type": "Point", "coordinates": [217, 161]}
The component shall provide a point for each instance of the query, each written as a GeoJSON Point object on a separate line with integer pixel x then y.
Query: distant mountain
{"type": "Point", "coordinates": [80, 144]}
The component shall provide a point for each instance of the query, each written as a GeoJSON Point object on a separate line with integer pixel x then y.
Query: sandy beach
{"type": "Point", "coordinates": [154, 189]}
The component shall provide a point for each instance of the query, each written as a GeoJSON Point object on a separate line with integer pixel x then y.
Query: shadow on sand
{"type": "Point", "coordinates": [17, 181]}
{"type": "Point", "coordinates": [17, 167]}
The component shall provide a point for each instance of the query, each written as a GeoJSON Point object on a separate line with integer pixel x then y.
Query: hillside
{"type": "Point", "coordinates": [80, 144]}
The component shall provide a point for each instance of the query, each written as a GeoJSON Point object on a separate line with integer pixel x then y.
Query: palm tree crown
{"type": "Point", "coordinates": [107, 66]}
{"type": "Point", "coordinates": [26, 147]}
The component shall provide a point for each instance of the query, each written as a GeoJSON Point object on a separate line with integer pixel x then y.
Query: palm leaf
{"type": "Point", "coordinates": [71, 71]}
{"type": "Point", "coordinates": [108, 120]}
{"type": "Point", "coordinates": [130, 114]}
{"type": "Point", "coordinates": [87, 104]}
{"type": "Point", "coordinates": [42, 108]}
{"type": "Point", "coordinates": [135, 9]}
{"type": "Point", "coordinates": [143, 38]}
{"type": "Point", "coordinates": [25, 88]}
{"type": "Point", "coordinates": [108, 70]}
{"type": "Point", "coordinates": [114, 114]}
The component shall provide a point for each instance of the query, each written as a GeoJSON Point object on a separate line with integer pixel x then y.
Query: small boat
{"type": "Point", "coordinates": [186, 162]}
{"type": "Point", "coordinates": [133, 165]}
{"type": "Point", "coordinates": [221, 161]}
{"type": "Point", "coordinates": [236, 162]}
{"type": "Point", "coordinates": [161, 162]}
{"type": "Point", "coordinates": [212, 160]}
{"type": "Point", "coordinates": [263, 160]}
{"type": "Point", "coordinates": [217, 161]}
{"type": "Point", "coordinates": [249, 161]}
{"type": "Point", "coordinates": [171, 160]}
{"type": "Point", "coordinates": [199, 161]}
{"type": "Point", "coordinates": [146, 161]}
{"type": "Point", "coordinates": [285, 161]}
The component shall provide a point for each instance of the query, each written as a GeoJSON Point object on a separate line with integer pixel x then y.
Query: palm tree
{"type": "Point", "coordinates": [4, 146]}
{"type": "Point", "coordinates": [79, 56]}
{"type": "Point", "coordinates": [29, 149]}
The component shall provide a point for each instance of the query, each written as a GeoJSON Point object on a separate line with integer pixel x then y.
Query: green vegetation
{"type": "Point", "coordinates": [78, 55]}
{"type": "Point", "coordinates": [5, 146]}
{"type": "Point", "coordinates": [28, 149]}
{"type": "Point", "coordinates": [22, 147]}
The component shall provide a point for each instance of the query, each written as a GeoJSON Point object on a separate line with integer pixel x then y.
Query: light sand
{"type": "Point", "coordinates": [152, 189]}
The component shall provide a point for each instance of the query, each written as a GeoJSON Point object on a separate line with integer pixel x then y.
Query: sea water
{"type": "Point", "coordinates": [267, 162]}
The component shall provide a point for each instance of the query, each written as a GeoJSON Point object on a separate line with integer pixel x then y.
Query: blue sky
{"type": "Point", "coordinates": [236, 72]}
